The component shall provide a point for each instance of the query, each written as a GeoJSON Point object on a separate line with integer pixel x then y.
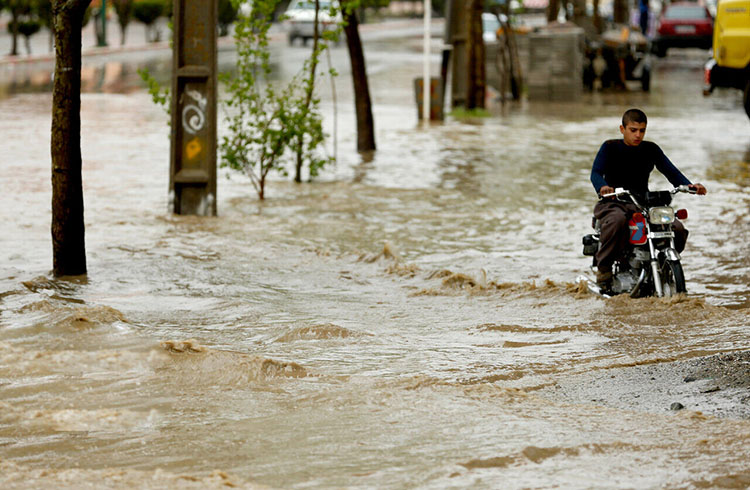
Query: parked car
{"type": "Point", "coordinates": [730, 65]}
{"type": "Point", "coordinates": [683, 25]}
{"type": "Point", "coordinates": [300, 19]}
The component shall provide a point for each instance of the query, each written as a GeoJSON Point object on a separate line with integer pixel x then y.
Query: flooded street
{"type": "Point", "coordinates": [401, 322]}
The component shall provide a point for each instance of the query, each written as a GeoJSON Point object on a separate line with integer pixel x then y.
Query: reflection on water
{"type": "Point", "coordinates": [114, 73]}
{"type": "Point", "coordinates": [402, 322]}
{"type": "Point", "coordinates": [103, 77]}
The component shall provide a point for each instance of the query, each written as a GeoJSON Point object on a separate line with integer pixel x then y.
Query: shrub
{"type": "Point", "coordinates": [147, 12]}
{"type": "Point", "coordinates": [227, 14]}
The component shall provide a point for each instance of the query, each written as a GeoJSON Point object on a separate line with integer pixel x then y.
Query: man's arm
{"type": "Point", "coordinates": [597, 170]}
{"type": "Point", "coordinates": [673, 174]}
{"type": "Point", "coordinates": [666, 167]}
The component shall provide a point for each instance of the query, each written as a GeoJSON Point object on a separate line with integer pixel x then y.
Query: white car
{"type": "Point", "coordinates": [300, 19]}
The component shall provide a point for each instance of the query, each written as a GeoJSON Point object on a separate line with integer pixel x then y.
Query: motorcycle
{"type": "Point", "coordinates": [650, 264]}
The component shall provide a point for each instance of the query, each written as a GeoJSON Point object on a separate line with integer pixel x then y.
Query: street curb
{"type": "Point", "coordinates": [103, 51]}
{"type": "Point", "coordinates": [223, 42]}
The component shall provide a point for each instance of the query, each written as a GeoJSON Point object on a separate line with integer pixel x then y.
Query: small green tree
{"type": "Point", "coordinates": [147, 12]}
{"type": "Point", "coordinates": [259, 113]}
{"type": "Point", "coordinates": [124, 10]}
{"type": "Point", "coordinates": [266, 121]}
{"type": "Point", "coordinates": [159, 95]}
{"type": "Point", "coordinates": [306, 119]}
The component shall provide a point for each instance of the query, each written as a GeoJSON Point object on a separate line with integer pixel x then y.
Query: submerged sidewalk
{"type": "Point", "coordinates": [135, 40]}
{"type": "Point", "coordinates": [42, 50]}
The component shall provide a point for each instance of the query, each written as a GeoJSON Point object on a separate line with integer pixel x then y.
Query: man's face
{"type": "Point", "coordinates": [633, 133]}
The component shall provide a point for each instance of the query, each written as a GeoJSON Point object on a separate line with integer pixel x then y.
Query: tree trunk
{"type": "Point", "coordinates": [579, 10]}
{"type": "Point", "coordinates": [597, 17]}
{"type": "Point", "coordinates": [309, 89]}
{"type": "Point", "coordinates": [553, 9]}
{"type": "Point", "coordinates": [99, 27]}
{"type": "Point", "coordinates": [620, 13]}
{"type": "Point", "coordinates": [365, 123]}
{"type": "Point", "coordinates": [13, 26]}
{"type": "Point", "coordinates": [68, 244]}
{"type": "Point", "coordinates": [475, 72]}
{"type": "Point", "coordinates": [122, 35]}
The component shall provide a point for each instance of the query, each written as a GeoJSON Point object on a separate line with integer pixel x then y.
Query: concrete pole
{"type": "Point", "coordinates": [192, 182]}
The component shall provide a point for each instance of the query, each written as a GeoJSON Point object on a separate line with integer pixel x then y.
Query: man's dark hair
{"type": "Point", "coordinates": [634, 115]}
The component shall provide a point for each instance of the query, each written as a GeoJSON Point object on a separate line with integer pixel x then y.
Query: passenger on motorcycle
{"type": "Point", "coordinates": [627, 163]}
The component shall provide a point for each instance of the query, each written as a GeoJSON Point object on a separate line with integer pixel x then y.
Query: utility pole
{"type": "Point", "coordinates": [192, 180]}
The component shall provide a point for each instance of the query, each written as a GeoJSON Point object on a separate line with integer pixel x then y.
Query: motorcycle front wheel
{"type": "Point", "coordinates": [672, 278]}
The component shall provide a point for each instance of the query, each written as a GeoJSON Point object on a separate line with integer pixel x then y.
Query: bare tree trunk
{"type": "Point", "coordinates": [597, 17]}
{"type": "Point", "coordinates": [13, 27]}
{"type": "Point", "coordinates": [579, 10]}
{"type": "Point", "coordinates": [553, 8]}
{"type": "Point", "coordinates": [365, 123]}
{"type": "Point", "coordinates": [68, 243]}
{"type": "Point", "coordinates": [476, 72]}
{"type": "Point", "coordinates": [514, 64]}
{"type": "Point", "coordinates": [620, 13]}
{"type": "Point", "coordinates": [309, 89]}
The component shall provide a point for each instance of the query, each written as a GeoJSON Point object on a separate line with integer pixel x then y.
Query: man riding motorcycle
{"type": "Point", "coordinates": [627, 163]}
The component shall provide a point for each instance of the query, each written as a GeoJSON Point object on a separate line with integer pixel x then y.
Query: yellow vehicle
{"type": "Point", "coordinates": [730, 65]}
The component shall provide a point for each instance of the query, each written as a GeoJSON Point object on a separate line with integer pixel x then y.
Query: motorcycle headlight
{"type": "Point", "coordinates": [661, 215]}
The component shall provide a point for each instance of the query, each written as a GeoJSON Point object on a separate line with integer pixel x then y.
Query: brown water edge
{"type": "Point", "coordinates": [567, 438]}
{"type": "Point", "coordinates": [17, 476]}
{"type": "Point", "coordinates": [716, 385]}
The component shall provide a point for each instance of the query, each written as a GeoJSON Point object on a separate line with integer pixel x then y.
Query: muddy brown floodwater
{"type": "Point", "coordinates": [408, 320]}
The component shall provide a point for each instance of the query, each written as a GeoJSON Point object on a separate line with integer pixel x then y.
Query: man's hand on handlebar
{"type": "Point", "coordinates": [699, 189]}
{"type": "Point", "coordinates": [605, 189]}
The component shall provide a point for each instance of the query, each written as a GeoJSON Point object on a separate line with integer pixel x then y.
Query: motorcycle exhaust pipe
{"type": "Point", "coordinates": [634, 291]}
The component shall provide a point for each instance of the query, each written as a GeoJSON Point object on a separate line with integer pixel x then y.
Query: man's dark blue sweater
{"type": "Point", "coordinates": [621, 165]}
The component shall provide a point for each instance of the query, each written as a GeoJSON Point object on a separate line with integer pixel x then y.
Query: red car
{"type": "Point", "coordinates": [683, 25]}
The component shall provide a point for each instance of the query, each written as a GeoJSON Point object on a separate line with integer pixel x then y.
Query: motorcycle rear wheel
{"type": "Point", "coordinates": [673, 278]}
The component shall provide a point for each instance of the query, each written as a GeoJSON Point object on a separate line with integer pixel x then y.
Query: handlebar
{"type": "Point", "coordinates": [618, 192]}
{"type": "Point", "coordinates": [684, 188]}
{"type": "Point", "coordinates": [623, 192]}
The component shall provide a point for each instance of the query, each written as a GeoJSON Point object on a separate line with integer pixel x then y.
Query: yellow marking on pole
{"type": "Point", "coordinates": [193, 148]}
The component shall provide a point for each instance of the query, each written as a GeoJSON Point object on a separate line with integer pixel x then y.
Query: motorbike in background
{"type": "Point", "coordinates": [650, 264]}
